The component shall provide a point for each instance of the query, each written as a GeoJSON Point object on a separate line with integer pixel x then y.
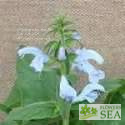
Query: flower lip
{"type": "Point", "coordinates": [87, 54]}
{"type": "Point", "coordinates": [89, 93]}
{"type": "Point", "coordinates": [29, 50]}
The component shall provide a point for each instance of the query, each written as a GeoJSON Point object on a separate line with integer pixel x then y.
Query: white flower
{"type": "Point", "coordinates": [89, 93]}
{"type": "Point", "coordinates": [82, 64]}
{"type": "Point", "coordinates": [62, 53]}
{"type": "Point", "coordinates": [29, 50]}
{"type": "Point", "coordinates": [65, 88]}
{"type": "Point", "coordinates": [76, 36]}
{"type": "Point", "coordinates": [39, 57]}
{"type": "Point", "coordinates": [86, 54]}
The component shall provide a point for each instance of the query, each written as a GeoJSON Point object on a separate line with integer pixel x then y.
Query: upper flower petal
{"type": "Point", "coordinates": [29, 50]}
{"type": "Point", "coordinates": [66, 91]}
{"type": "Point", "coordinates": [61, 53]}
{"type": "Point", "coordinates": [39, 59]}
{"type": "Point", "coordinates": [83, 66]}
{"type": "Point", "coordinates": [89, 93]}
{"type": "Point", "coordinates": [86, 54]}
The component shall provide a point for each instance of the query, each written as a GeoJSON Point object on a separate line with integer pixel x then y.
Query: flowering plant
{"type": "Point", "coordinates": [44, 92]}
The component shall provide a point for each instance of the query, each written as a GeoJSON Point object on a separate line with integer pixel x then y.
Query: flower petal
{"type": "Point", "coordinates": [91, 97]}
{"type": "Point", "coordinates": [92, 87]}
{"type": "Point", "coordinates": [66, 91]}
{"type": "Point", "coordinates": [96, 75]}
{"type": "Point", "coordinates": [83, 66]}
{"type": "Point", "coordinates": [76, 36]}
{"type": "Point", "coordinates": [86, 54]}
{"type": "Point", "coordinates": [29, 50]}
{"type": "Point", "coordinates": [39, 59]}
{"type": "Point", "coordinates": [89, 93]}
{"type": "Point", "coordinates": [61, 53]}
{"type": "Point", "coordinates": [37, 63]}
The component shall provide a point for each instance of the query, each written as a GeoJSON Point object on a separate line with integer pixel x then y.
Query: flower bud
{"type": "Point", "coordinates": [76, 36]}
{"type": "Point", "coordinates": [61, 53]}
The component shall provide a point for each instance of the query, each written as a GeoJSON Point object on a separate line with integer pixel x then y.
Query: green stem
{"type": "Point", "coordinates": [66, 122]}
{"type": "Point", "coordinates": [66, 113]}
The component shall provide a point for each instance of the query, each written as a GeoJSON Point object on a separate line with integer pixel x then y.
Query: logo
{"type": "Point", "coordinates": [99, 111]}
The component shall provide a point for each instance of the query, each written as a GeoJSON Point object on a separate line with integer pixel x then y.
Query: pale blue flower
{"type": "Point", "coordinates": [39, 57]}
{"type": "Point", "coordinates": [90, 92]}
{"type": "Point", "coordinates": [76, 36]}
{"type": "Point", "coordinates": [62, 54]}
{"type": "Point", "coordinates": [29, 50]}
{"type": "Point", "coordinates": [96, 75]}
{"type": "Point", "coordinates": [66, 91]}
{"type": "Point", "coordinates": [81, 63]}
{"type": "Point", "coordinates": [87, 54]}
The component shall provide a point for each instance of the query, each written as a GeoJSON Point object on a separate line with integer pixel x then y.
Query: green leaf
{"type": "Point", "coordinates": [40, 110]}
{"type": "Point", "coordinates": [122, 81]}
{"type": "Point", "coordinates": [114, 98]}
{"type": "Point", "coordinates": [43, 121]}
{"type": "Point", "coordinates": [76, 121]}
{"type": "Point", "coordinates": [4, 108]}
{"type": "Point", "coordinates": [8, 123]}
{"type": "Point", "coordinates": [73, 78]}
{"type": "Point", "coordinates": [32, 87]}
{"type": "Point", "coordinates": [122, 88]}
{"type": "Point", "coordinates": [74, 118]}
{"type": "Point", "coordinates": [36, 122]}
{"type": "Point", "coordinates": [110, 85]}
{"type": "Point", "coordinates": [14, 98]}
{"type": "Point", "coordinates": [52, 47]}
{"type": "Point", "coordinates": [71, 57]}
